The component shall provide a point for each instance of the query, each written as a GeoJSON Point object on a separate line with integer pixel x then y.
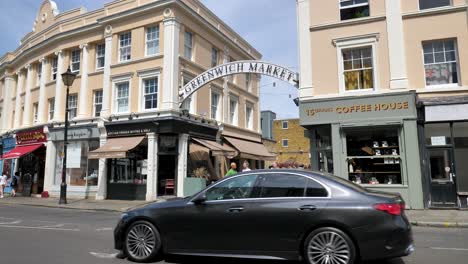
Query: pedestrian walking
{"type": "Point", "coordinates": [245, 166]}
{"type": "Point", "coordinates": [3, 183]}
{"type": "Point", "coordinates": [232, 171]}
{"type": "Point", "coordinates": [14, 182]}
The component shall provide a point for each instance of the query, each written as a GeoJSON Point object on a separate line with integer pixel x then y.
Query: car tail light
{"type": "Point", "coordinates": [391, 208]}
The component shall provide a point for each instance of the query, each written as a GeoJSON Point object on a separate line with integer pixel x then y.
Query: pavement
{"type": "Point", "coordinates": [427, 218]}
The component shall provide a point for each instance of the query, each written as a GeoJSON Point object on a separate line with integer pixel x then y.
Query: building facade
{"type": "Point", "coordinates": [131, 58]}
{"type": "Point", "coordinates": [383, 92]}
{"type": "Point", "coordinates": [291, 144]}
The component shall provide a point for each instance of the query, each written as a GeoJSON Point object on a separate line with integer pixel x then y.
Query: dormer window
{"type": "Point", "coordinates": [351, 9]}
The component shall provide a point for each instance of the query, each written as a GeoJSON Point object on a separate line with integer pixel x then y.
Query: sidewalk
{"type": "Point", "coordinates": [80, 204]}
{"type": "Point", "coordinates": [429, 218]}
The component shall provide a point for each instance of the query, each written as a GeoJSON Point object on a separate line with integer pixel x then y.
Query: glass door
{"type": "Point", "coordinates": [443, 183]}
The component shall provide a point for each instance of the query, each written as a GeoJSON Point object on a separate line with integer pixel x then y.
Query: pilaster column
{"type": "Point", "coordinates": [182, 164]}
{"type": "Point", "coordinates": [152, 168]}
{"type": "Point", "coordinates": [50, 162]}
{"type": "Point", "coordinates": [226, 89]}
{"type": "Point", "coordinates": [102, 173]}
{"type": "Point", "coordinates": [106, 84]}
{"type": "Point", "coordinates": [306, 88]}
{"type": "Point", "coordinates": [27, 120]}
{"type": "Point", "coordinates": [41, 109]}
{"type": "Point", "coordinates": [83, 109]}
{"type": "Point", "coordinates": [396, 46]}
{"type": "Point", "coordinates": [59, 92]}
{"type": "Point", "coordinates": [9, 85]}
{"type": "Point", "coordinates": [19, 90]}
{"type": "Point", "coordinates": [170, 100]}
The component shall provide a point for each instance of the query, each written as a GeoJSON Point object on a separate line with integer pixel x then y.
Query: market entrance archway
{"type": "Point", "coordinates": [238, 67]}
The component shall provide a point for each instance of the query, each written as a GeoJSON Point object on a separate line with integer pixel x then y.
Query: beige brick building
{"type": "Point", "coordinates": [131, 58]}
{"type": "Point", "coordinates": [292, 146]}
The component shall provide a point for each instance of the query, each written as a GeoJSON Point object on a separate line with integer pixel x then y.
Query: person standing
{"type": "Point", "coordinates": [14, 184]}
{"type": "Point", "coordinates": [3, 182]}
{"type": "Point", "coordinates": [232, 171]}
{"type": "Point", "coordinates": [245, 166]}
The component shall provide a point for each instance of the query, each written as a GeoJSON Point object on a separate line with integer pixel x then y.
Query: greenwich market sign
{"type": "Point", "coordinates": [237, 67]}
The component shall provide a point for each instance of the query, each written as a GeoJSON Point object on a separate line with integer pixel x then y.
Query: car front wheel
{"type": "Point", "coordinates": [142, 242]}
{"type": "Point", "coordinates": [329, 246]}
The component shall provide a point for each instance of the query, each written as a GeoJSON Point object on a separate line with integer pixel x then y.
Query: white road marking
{"type": "Point", "coordinates": [454, 249]}
{"type": "Point", "coordinates": [11, 223]}
{"type": "Point", "coordinates": [104, 229]}
{"type": "Point", "coordinates": [40, 228]}
{"type": "Point", "coordinates": [52, 226]}
{"type": "Point", "coordinates": [103, 255]}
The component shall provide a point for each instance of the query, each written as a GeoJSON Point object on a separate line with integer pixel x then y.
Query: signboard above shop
{"type": "Point", "coordinates": [356, 109]}
{"type": "Point", "coordinates": [31, 137]}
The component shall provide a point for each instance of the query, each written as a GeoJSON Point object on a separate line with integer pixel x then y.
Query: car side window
{"type": "Point", "coordinates": [281, 185]}
{"type": "Point", "coordinates": [315, 189]}
{"type": "Point", "coordinates": [235, 188]}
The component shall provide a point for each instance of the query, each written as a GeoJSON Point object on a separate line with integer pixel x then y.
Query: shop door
{"type": "Point", "coordinates": [167, 171]}
{"type": "Point", "coordinates": [443, 180]}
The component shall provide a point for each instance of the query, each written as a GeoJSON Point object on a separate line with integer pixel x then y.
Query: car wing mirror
{"type": "Point", "coordinates": [200, 199]}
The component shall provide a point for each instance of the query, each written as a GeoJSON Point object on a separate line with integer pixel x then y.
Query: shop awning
{"type": "Point", "coordinates": [115, 148]}
{"type": "Point", "coordinates": [251, 150]}
{"type": "Point", "coordinates": [20, 151]}
{"type": "Point", "coordinates": [216, 148]}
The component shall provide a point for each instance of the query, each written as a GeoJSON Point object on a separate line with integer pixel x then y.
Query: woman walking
{"type": "Point", "coordinates": [3, 182]}
{"type": "Point", "coordinates": [14, 184]}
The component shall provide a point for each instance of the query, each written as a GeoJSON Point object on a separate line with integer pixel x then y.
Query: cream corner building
{"type": "Point", "coordinates": [131, 58]}
{"type": "Point", "coordinates": [384, 88]}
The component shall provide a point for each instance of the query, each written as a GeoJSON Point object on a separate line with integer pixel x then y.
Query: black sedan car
{"type": "Point", "coordinates": [271, 214]}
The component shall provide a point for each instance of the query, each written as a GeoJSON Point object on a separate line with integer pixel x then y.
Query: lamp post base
{"type": "Point", "coordinates": [63, 193]}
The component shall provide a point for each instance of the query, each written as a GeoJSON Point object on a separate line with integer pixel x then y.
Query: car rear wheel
{"type": "Point", "coordinates": [329, 245]}
{"type": "Point", "coordinates": [142, 242]}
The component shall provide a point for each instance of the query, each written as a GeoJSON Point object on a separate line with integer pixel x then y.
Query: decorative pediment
{"type": "Point", "coordinates": [46, 15]}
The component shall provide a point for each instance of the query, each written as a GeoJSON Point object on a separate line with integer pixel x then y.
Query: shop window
{"type": "Point", "coordinates": [358, 68]}
{"type": "Point", "coordinates": [131, 170]}
{"type": "Point", "coordinates": [152, 41]}
{"type": "Point", "coordinates": [100, 56]}
{"type": "Point", "coordinates": [72, 106]}
{"type": "Point", "coordinates": [97, 103]}
{"type": "Point", "coordinates": [437, 134]}
{"type": "Point", "coordinates": [440, 62]}
{"type": "Point", "coordinates": [125, 47]}
{"type": "Point", "coordinates": [188, 45]}
{"type": "Point", "coordinates": [75, 61]}
{"type": "Point", "coordinates": [427, 4]}
{"type": "Point", "coordinates": [460, 134]}
{"type": "Point", "coordinates": [322, 152]}
{"type": "Point", "coordinates": [351, 9]}
{"type": "Point", "coordinates": [373, 155]}
{"type": "Point", "coordinates": [81, 171]}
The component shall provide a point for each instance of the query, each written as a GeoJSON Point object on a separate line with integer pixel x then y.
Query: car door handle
{"type": "Point", "coordinates": [307, 208]}
{"type": "Point", "coordinates": [236, 209]}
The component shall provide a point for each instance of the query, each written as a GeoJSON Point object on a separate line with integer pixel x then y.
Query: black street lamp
{"type": "Point", "coordinates": [67, 77]}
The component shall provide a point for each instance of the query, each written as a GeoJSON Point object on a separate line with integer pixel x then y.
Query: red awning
{"type": "Point", "coordinates": [20, 151]}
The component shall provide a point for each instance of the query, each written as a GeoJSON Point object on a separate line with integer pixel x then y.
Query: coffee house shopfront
{"type": "Point", "coordinates": [371, 140]}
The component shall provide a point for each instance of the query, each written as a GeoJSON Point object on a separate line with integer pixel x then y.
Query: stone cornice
{"type": "Point", "coordinates": [345, 23]}
{"type": "Point", "coordinates": [436, 11]}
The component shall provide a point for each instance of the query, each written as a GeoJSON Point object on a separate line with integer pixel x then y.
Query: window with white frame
{"type": "Point", "coordinates": [248, 81]}
{"type": "Point", "coordinates": [214, 56]}
{"type": "Point", "coordinates": [150, 93]}
{"type": "Point", "coordinates": [54, 68]}
{"type": "Point", "coordinates": [285, 143]}
{"type": "Point", "coordinates": [358, 70]}
{"type": "Point", "coordinates": [215, 100]}
{"type": "Point", "coordinates": [440, 62]}
{"type": "Point", "coordinates": [97, 104]}
{"type": "Point", "coordinates": [35, 110]}
{"type": "Point", "coordinates": [187, 104]}
{"type": "Point", "coordinates": [152, 41]}
{"type": "Point", "coordinates": [72, 106]}
{"type": "Point", "coordinates": [51, 109]}
{"type": "Point", "coordinates": [249, 116]}
{"type": "Point", "coordinates": [427, 4]}
{"type": "Point", "coordinates": [188, 45]}
{"type": "Point", "coordinates": [351, 9]}
{"type": "Point", "coordinates": [233, 111]}
{"type": "Point", "coordinates": [122, 97]}
{"type": "Point", "coordinates": [75, 61]}
{"type": "Point", "coordinates": [39, 73]}
{"type": "Point", "coordinates": [125, 47]}
{"type": "Point", "coordinates": [100, 56]}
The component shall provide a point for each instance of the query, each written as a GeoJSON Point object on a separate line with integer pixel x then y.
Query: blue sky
{"type": "Point", "coordinates": [269, 25]}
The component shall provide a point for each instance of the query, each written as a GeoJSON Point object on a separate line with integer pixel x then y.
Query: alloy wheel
{"type": "Point", "coordinates": [328, 247]}
{"type": "Point", "coordinates": [141, 241]}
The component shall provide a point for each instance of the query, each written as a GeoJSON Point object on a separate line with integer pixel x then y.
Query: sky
{"type": "Point", "coordinates": [268, 25]}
